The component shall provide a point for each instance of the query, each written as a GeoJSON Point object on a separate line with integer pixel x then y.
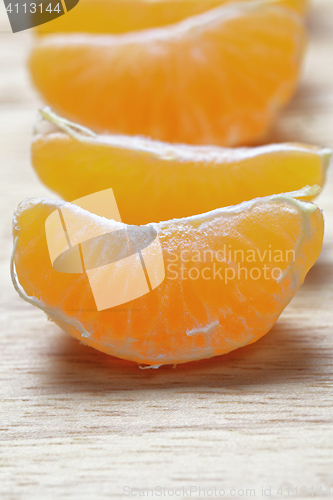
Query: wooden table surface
{"type": "Point", "coordinates": [75, 423]}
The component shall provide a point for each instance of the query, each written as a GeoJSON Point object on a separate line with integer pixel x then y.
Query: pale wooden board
{"type": "Point", "coordinates": [78, 424]}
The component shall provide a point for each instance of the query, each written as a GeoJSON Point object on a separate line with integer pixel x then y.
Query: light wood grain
{"type": "Point", "coordinates": [78, 424]}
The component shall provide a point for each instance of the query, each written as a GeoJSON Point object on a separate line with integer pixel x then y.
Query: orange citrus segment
{"type": "Point", "coordinates": [216, 78]}
{"type": "Point", "coordinates": [158, 181]}
{"type": "Point", "coordinates": [229, 274]}
{"type": "Point", "coordinates": [119, 16]}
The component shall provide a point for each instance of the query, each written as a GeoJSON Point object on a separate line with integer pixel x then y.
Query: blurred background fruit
{"type": "Point", "coordinates": [155, 181]}
{"type": "Point", "coordinates": [217, 78]}
{"type": "Point", "coordinates": [119, 16]}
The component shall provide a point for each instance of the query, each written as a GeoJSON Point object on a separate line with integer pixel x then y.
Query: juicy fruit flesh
{"type": "Point", "coordinates": [217, 78]}
{"type": "Point", "coordinates": [159, 181]}
{"type": "Point", "coordinates": [182, 319]}
{"type": "Point", "coordinates": [120, 16]}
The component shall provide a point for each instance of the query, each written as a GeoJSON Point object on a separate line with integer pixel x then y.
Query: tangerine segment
{"type": "Point", "coordinates": [158, 181]}
{"type": "Point", "coordinates": [216, 78]}
{"type": "Point", "coordinates": [229, 274]}
{"type": "Point", "coordinates": [120, 16]}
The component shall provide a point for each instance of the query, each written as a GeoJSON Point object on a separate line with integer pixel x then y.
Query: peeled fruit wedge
{"type": "Point", "coordinates": [216, 78]}
{"type": "Point", "coordinates": [229, 274]}
{"type": "Point", "coordinates": [158, 181]}
{"type": "Point", "coordinates": [119, 16]}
